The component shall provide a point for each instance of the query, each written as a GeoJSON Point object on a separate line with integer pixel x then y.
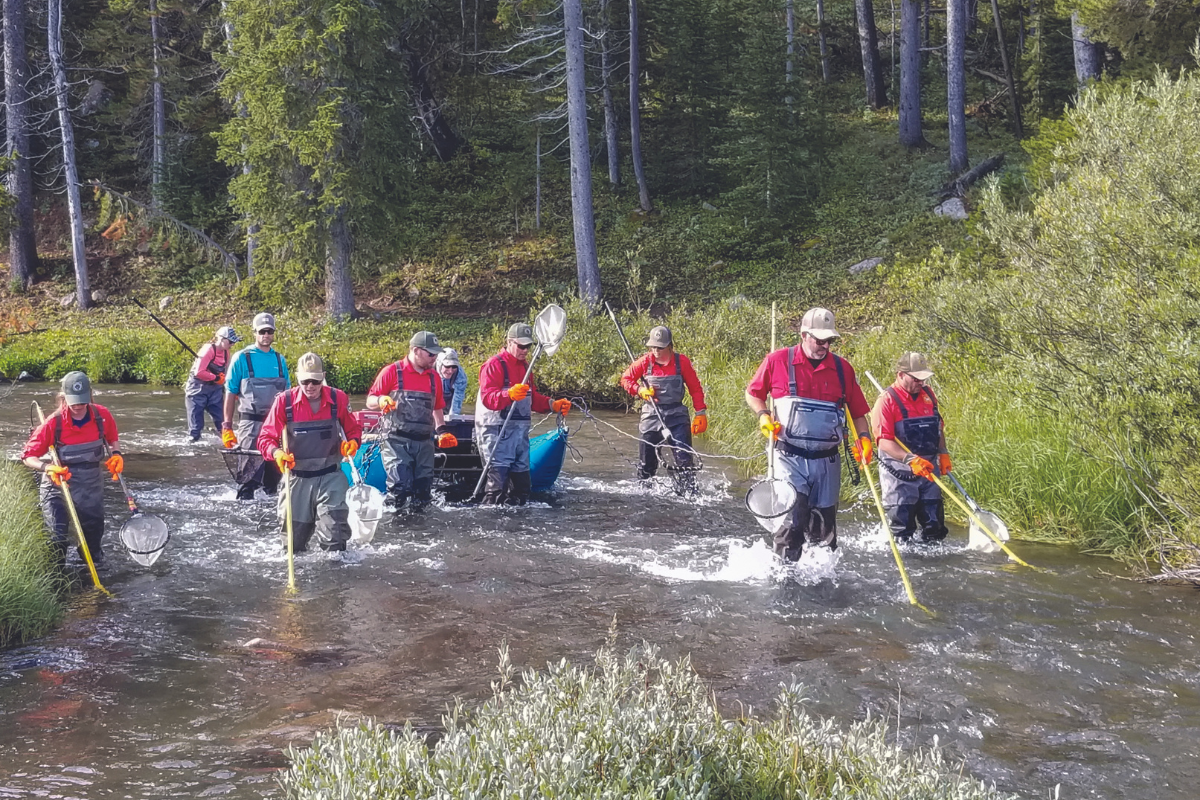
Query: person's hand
{"type": "Point", "coordinates": [115, 464]}
{"type": "Point", "coordinates": [228, 438]}
{"type": "Point", "coordinates": [863, 450]}
{"type": "Point", "coordinates": [447, 440]}
{"type": "Point", "coordinates": [349, 448]}
{"type": "Point", "coordinates": [58, 474]}
{"type": "Point", "coordinates": [769, 426]}
{"type": "Point", "coordinates": [561, 406]}
{"type": "Point", "coordinates": [519, 392]}
{"type": "Point", "coordinates": [646, 393]}
{"type": "Point", "coordinates": [700, 423]}
{"type": "Point", "coordinates": [386, 404]}
{"type": "Point", "coordinates": [921, 467]}
{"type": "Point", "coordinates": [944, 465]}
{"type": "Point", "coordinates": [284, 460]}
{"type": "Point", "coordinates": [220, 377]}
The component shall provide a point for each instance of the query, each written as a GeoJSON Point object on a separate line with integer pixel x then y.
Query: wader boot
{"type": "Point", "coordinates": [339, 530]}
{"type": "Point", "coordinates": [422, 494]}
{"type": "Point", "coordinates": [519, 485]}
{"type": "Point", "coordinates": [493, 490]}
{"type": "Point", "coordinates": [301, 533]}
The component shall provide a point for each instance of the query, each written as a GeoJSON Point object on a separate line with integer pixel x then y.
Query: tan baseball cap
{"type": "Point", "coordinates": [818, 322]}
{"type": "Point", "coordinates": [659, 337]}
{"type": "Point", "coordinates": [310, 367]}
{"type": "Point", "coordinates": [915, 364]}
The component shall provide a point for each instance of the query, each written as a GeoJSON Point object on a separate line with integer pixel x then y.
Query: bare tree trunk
{"type": "Point", "coordinates": [868, 41]}
{"type": "Point", "coordinates": [429, 111]}
{"type": "Point", "coordinates": [635, 113]}
{"type": "Point", "coordinates": [1087, 53]}
{"type": "Point", "coordinates": [910, 75]}
{"type": "Point", "coordinates": [1008, 72]}
{"type": "Point", "coordinates": [822, 42]}
{"type": "Point", "coordinates": [251, 228]}
{"type": "Point", "coordinates": [586, 263]}
{"type": "Point", "coordinates": [22, 246]}
{"type": "Point", "coordinates": [339, 290]}
{"type": "Point", "coordinates": [83, 292]}
{"type": "Point", "coordinates": [790, 16]}
{"type": "Point", "coordinates": [956, 84]}
{"type": "Point", "coordinates": [158, 162]}
{"type": "Point", "coordinates": [537, 193]}
{"type": "Point", "coordinates": [610, 108]}
{"type": "Point", "coordinates": [925, 26]}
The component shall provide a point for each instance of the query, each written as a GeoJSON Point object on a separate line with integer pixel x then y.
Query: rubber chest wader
{"type": "Point", "coordinates": [510, 457]}
{"type": "Point", "coordinates": [201, 396]}
{"type": "Point", "coordinates": [216, 363]}
{"type": "Point", "coordinates": [408, 453]}
{"type": "Point", "coordinates": [668, 395]}
{"type": "Point", "coordinates": [316, 446]}
{"type": "Point", "coordinates": [255, 396]}
{"type": "Point", "coordinates": [87, 490]}
{"type": "Point", "coordinates": [910, 500]}
{"type": "Point", "coordinates": [922, 435]}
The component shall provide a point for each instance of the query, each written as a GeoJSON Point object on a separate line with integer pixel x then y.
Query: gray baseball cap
{"type": "Point", "coordinates": [659, 337]}
{"type": "Point", "coordinates": [448, 358]}
{"type": "Point", "coordinates": [264, 320]}
{"type": "Point", "coordinates": [426, 341]}
{"type": "Point", "coordinates": [77, 388]}
{"type": "Point", "coordinates": [521, 332]}
{"type": "Point", "coordinates": [226, 332]}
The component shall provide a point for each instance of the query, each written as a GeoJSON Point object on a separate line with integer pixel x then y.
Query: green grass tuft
{"type": "Point", "coordinates": [30, 586]}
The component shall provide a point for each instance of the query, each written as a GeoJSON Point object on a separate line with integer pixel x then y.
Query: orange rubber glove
{"type": "Point", "coordinates": [284, 460]}
{"type": "Point", "coordinates": [561, 406]}
{"type": "Point", "coordinates": [700, 423]}
{"type": "Point", "coordinates": [768, 425]}
{"type": "Point", "coordinates": [518, 393]}
{"type": "Point", "coordinates": [944, 464]}
{"type": "Point", "coordinates": [349, 448]}
{"type": "Point", "coordinates": [863, 450]}
{"type": "Point", "coordinates": [447, 440]}
{"type": "Point", "coordinates": [228, 438]}
{"type": "Point", "coordinates": [921, 468]}
{"type": "Point", "coordinates": [115, 464]}
{"type": "Point", "coordinates": [58, 474]}
{"type": "Point", "coordinates": [220, 378]}
{"type": "Point", "coordinates": [387, 405]}
{"type": "Point", "coordinates": [646, 393]}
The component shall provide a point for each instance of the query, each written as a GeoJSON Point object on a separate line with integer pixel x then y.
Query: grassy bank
{"type": "Point", "coordinates": [628, 727]}
{"type": "Point", "coordinates": [30, 587]}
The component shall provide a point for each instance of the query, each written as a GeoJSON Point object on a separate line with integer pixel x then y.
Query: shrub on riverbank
{"type": "Point", "coordinates": [628, 727]}
{"type": "Point", "coordinates": [30, 586]}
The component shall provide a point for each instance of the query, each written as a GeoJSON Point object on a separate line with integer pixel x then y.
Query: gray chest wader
{"type": "Point", "coordinates": [909, 499]}
{"type": "Point", "coordinates": [87, 490]}
{"type": "Point", "coordinates": [196, 386]}
{"type": "Point", "coordinates": [807, 454]}
{"type": "Point", "coordinates": [408, 450]}
{"type": "Point", "coordinates": [318, 485]}
{"type": "Point", "coordinates": [668, 395]}
{"type": "Point", "coordinates": [255, 396]}
{"type": "Point", "coordinates": [508, 479]}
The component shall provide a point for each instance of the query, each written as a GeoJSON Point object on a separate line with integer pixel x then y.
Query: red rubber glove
{"type": "Point", "coordinates": [115, 464]}
{"type": "Point", "coordinates": [228, 439]}
{"type": "Point", "coordinates": [769, 427]}
{"type": "Point", "coordinates": [284, 460]}
{"type": "Point", "coordinates": [349, 448]}
{"type": "Point", "coordinates": [944, 464]}
{"type": "Point", "coordinates": [646, 393]}
{"type": "Point", "coordinates": [921, 468]}
{"type": "Point", "coordinates": [447, 440]}
{"type": "Point", "coordinates": [863, 450]}
{"type": "Point", "coordinates": [387, 405]}
{"type": "Point", "coordinates": [58, 474]}
{"type": "Point", "coordinates": [700, 423]}
{"type": "Point", "coordinates": [561, 406]}
{"type": "Point", "coordinates": [518, 393]}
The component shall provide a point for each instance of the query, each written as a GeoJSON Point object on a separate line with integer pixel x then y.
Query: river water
{"type": "Point", "coordinates": [1075, 678]}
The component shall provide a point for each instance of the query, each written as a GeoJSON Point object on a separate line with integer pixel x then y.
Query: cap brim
{"type": "Point", "coordinates": [823, 333]}
{"type": "Point", "coordinates": [523, 340]}
{"type": "Point", "coordinates": [310, 376]}
{"type": "Point", "coordinates": [923, 375]}
{"type": "Point", "coordinates": [76, 399]}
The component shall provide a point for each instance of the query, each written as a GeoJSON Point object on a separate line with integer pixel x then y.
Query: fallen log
{"type": "Point", "coordinates": [959, 186]}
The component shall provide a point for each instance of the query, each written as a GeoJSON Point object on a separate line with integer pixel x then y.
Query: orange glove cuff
{"type": "Point", "coordinates": [518, 392]}
{"type": "Point", "coordinates": [944, 465]}
{"type": "Point", "coordinates": [447, 440]}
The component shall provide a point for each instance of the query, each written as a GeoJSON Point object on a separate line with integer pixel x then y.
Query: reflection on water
{"type": "Point", "coordinates": [199, 673]}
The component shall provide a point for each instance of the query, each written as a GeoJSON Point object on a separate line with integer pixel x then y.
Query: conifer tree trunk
{"type": "Point", "coordinates": [821, 41]}
{"type": "Point", "coordinates": [610, 108]}
{"type": "Point", "coordinates": [251, 228]}
{"type": "Point", "coordinates": [22, 246]}
{"type": "Point", "coordinates": [158, 161]}
{"type": "Point", "coordinates": [587, 266]}
{"type": "Point", "coordinates": [1087, 53]}
{"type": "Point", "coordinates": [635, 113]}
{"type": "Point", "coordinates": [339, 290]}
{"type": "Point", "coordinates": [868, 42]}
{"type": "Point", "coordinates": [910, 75]}
{"type": "Point", "coordinates": [790, 17]}
{"type": "Point", "coordinates": [1014, 100]}
{"type": "Point", "coordinates": [956, 84]}
{"type": "Point", "coordinates": [83, 292]}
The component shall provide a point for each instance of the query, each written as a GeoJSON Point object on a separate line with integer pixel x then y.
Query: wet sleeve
{"type": "Point", "coordinates": [631, 379]}
{"type": "Point", "coordinates": [491, 387]}
{"type": "Point", "coordinates": [385, 382]}
{"type": "Point", "coordinates": [692, 381]}
{"type": "Point", "coordinates": [272, 430]}
{"type": "Point", "coordinates": [760, 384]}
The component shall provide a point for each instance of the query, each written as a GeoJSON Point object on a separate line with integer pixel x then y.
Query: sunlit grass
{"type": "Point", "coordinates": [30, 586]}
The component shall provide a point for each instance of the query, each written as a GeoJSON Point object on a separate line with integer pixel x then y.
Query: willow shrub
{"type": "Point", "coordinates": [636, 726]}
{"type": "Point", "coordinates": [30, 585]}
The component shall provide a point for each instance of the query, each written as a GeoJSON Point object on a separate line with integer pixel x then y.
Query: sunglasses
{"type": "Point", "coordinates": [523, 346]}
{"type": "Point", "coordinates": [310, 383]}
{"type": "Point", "coordinates": [268, 331]}
{"type": "Point", "coordinates": [823, 342]}
{"type": "Point", "coordinates": [910, 376]}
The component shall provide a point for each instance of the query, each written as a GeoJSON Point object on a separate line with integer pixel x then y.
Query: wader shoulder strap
{"type": "Point", "coordinates": [896, 396]}
{"type": "Point", "coordinates": [841, 369]}
{"type": "Point", "coordinates": [504, 370]}
{"type": "Point", "coordinates": [99, 423]}
{"type": "Point", "coordinates": [289, 404]}
{"type": "Point", "coordinates": [791, 355]}
{"type": "Point", "coordinates": [932, 399]}
{"type": "Point", "coordinates": [678, 366]}
{"type": "Point", "coordinates": [58, 427]}
{"type": "Point", "coordinates": [249, 362]}
{"type": "Point", "coordinates": [433, 384]}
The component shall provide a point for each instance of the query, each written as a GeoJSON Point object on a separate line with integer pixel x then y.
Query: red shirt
{"type": "Point", "coordinates": [492, 393]}
{"type": "Point", "coordinates": [815, 384]}
{"type": "Point", "coordinates": [42, 439]}
{"type": "Point", "coordinates": [211, 360]}
{"type": "Point", "coordinates": [887, 412]}
{"type": "Point", "coordinates": [272, 430]}
{"type": "Point", "coordinates": [414, 381]}
{"type": "Point", "coordinates": [631, 380]}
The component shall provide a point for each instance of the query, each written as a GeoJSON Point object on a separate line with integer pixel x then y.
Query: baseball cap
{"type": "Point", "coordinates": [264, 320]}
{"type": "Point", "coordinates": [426, 341]}
{"type": "Point", "coordinates": [77, 388]}
{"type": "Point", "coordinates": [521, 332]}
{"type": "Point", "coordinates": [226, 332]}
{"type": "Point", "coordinates": [448, 358]}
{"type": "Point", "coordinates": [310, 367]}
{"type": "Point", "coordinates": [819, 323]}
{"type": "Point", "coordinates": [659, 337]}
{"type": "Point", "coordinates": [915, 364]}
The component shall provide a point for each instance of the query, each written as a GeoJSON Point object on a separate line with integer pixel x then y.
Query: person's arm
{"type": "Point", "coordinates": [541, 403]}
{"type": "Point", "coordinates": [351, 428]}
{"type": "Point", "coordinates": [37, 446]}
{"type": "Point", "coordinates": [286, 374]}
{"type": "Point", "coordinates": [384, 385]}
{"type": "Point", "coordinates": [233, 382]}
{"type": "Point", "coordinates": [857, 402]}
{"type": "Point", "coordinates": [631, 379]}
{"type": "Point", "coordinates": [460, 391]}
{"type": "Point", "coordinates": [492, 393]}
{"type": "Point", "coordinates": [271, 435]}
{"type": "Point", "coordinates": [759, 387]}
{"type": "Point", "coordinates": [203, 362]}
{"type": "Point", "coordinates": [439, 419]}
{"type": "Point", "coordinates": [692, 381]}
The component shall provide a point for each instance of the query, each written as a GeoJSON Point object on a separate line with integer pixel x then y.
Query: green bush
{"type": "Point", "coordinates": [30, 585]}
{"type": "Point", "coordinates": [633, 727]}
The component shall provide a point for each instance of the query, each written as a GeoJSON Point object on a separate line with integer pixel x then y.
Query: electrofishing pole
{"type": "Point", "coordinates": [182, 343]}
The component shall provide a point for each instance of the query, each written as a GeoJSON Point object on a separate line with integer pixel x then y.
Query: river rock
{"type": "Point", "coordinates": [99, 296]}
{"type": "Point", "coordinates": [166, 301]}
{"type": "Point", "coordinates": [863, 266]}
{"type": "Point", "coordinates": [67, 301]}
{"type": "Point", "coordinates": [954, 208]}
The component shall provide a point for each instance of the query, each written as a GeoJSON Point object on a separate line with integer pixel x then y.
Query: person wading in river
{"type": "Point", "coordinates": [257, 375]}
{"type": "Point", "coordinates": [908, 411]}
{"type": "Point", "coordinates": [501, 396]}
{"type": "Point", "coordinates": [321, 430]}
{"type": "Point", "coordinates": [811, 388]}
{"type": "Point", "coordinates": [205, 387]}
{"type": "Point", "coordinates": [409, 392]}
{"type": "Point", "coordinates": [77, 430]}
{"type": "Point", "coordinates": [454, 379]}
{"type": "Point", "coordinates": [667, 377]}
